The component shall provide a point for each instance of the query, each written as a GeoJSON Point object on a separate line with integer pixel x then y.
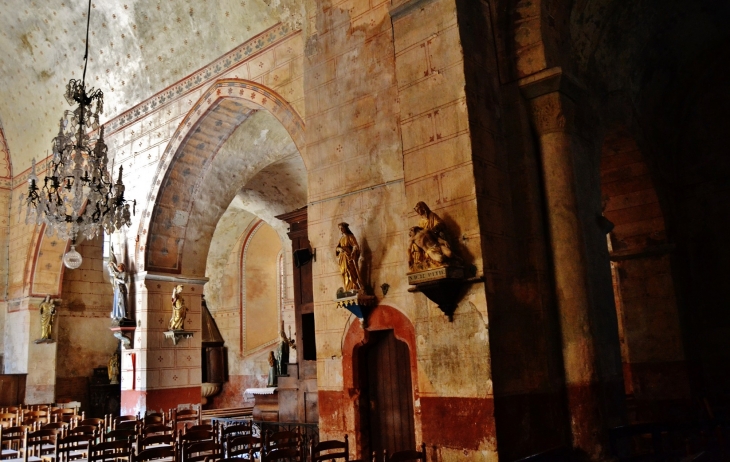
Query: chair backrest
{"type": "Point", "coordinates": [88, 430]}
{"type": "Point", "coordinates": [156, 440]}
{"type": "Point", "coordinates": [14, 437]}
{"type": "Point", "coordinates": [123, 418]}
{"type": "Point", "coordinates": [407, 455]}
{"type": "Point", "coordinates": [110, 451]}
{"type": "Point", "coordinates": [120, 435]}
{"type": "Point", "coordinates": [155, 453]}
{"type": "Point", "coordinates": [241, 445]}
{"type": "Point", "coordinates": [154, 418]}
{"type": "Point", "coordinates": [41, 442]}
{"type": "Point", "coordinates": [330, 450]}
{"type": "Point", "coordinates": [55, 426]}
{"type": "Point", "coordinates": [196, 435]}
{"type": "Point", "coordinates": [7, 419]}
{"type": "Point", "coordinates": [157, 429]}
{"type": "Point", "coordinates": [68, 448]}
{"type": "Point", "coordinates": [127, 425]}
{"type": "Point", "coordinates": [207, 427]}
{"type": "Point", "coordinates": [236, 430]}
{"type": "Point", "coordinates": [201, 450]}
{"type": "Point", "coordinates": [284, 454]}
{"type": "Point", "coordinates": [281, 440]}
{"type": "Point", "coordinates": [92, 421]}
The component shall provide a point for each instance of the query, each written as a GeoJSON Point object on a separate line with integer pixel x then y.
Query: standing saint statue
{"type": "Point", "coordinates": [282, 352]}
{"type": "Point", "coordinates": [179, 310]}
{"type": "Point", "coordinates": [348, 254]}
{"type": "Point", "coordinates": [119, 280]}
{"type": "Point", "coordinates": [272, 382]}
{"type": "Point", "coordinates": [113, 369]}
{"type": "Point", "coordinates": [47, 310]}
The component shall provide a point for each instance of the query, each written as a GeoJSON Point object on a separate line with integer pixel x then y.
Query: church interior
{"type": "Point", "coordinates": [487, 230]}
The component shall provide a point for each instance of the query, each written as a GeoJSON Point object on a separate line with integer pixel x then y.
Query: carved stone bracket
{"type": "Point", "coordinates": [443, 286]}
{"type": "Point", "coordinates": [177, 335]}
{"type": "Point", "coordinates": [124, 335]}
{"type": "Point", "coordinates": [360, 305]}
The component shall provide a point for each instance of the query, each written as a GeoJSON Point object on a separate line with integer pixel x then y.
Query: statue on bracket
{"type": "Point", "coordinates": [179, 310]}
{"type": "Point", "coordinates": [433, 268]}
{"type": "Point", "coordinates": [47, 309]}
{"type": "Point", "coordinates": [352, 296]}
{"type": "Point", "coordinates": [348, 256]}
{"type": "Point", "coordinates": [119, 279]}
{"type": "Point", "coordinates": [428, 246]}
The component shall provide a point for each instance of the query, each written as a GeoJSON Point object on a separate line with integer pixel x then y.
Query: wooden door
{"type": "Point", "coordinates": [389, 394]}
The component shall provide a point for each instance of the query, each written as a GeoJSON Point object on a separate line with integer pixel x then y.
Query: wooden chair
{"type": "Point", "coordinates": [281, 440]}
{"type": "Point", "coordinates": [116, 421]}
{"type": "Point", "coordinates": [231, 431]}
{"type": "Point", "coordinates": [40, 444]}
{"type": "Point", "coordinates": [110, 451]}
{"type": "Point", "coordinates": [284, 454]}
{"type": "Point", "coordinates": [329, 450]}
{"type": "Point", "coordinates": [13, 441]}
{"type": "Point", "coordinates": [243, 447]}
{"type": "Point", "coordinates": [407, 455]}
{"type": "Point", "coordinates": [183, 416]}
{"type": "Point", "coordinates": [158, 454]}
{"type": "Point", "coordinates": [202, 450]}
{"type": "Point", "coordinates": [72, 447]}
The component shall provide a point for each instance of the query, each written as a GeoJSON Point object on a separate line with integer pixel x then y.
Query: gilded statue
{"type": "Point", "coordinates": [113, 369]}
{"type": "Point", "coordinates": [179, 310]}
{"type": "Point", "coordinates": [119, 280]}
{"type": "Point", "coordinates": [348, 254]}
{"type": "Point", "coordinates": [428, 244]}
{"type": "Point", "coordinates": [47, 310]}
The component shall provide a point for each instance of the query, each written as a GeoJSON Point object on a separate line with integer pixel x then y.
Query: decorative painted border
{"type": "Point", "coordinates": [246, 50]}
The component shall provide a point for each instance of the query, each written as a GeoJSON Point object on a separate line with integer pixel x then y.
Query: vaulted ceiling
{"type": "Point", "coordinates": [136, 49]}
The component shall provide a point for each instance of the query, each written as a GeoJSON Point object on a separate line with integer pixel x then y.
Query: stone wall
{"type": "Point", "coordinates": [84, 339]}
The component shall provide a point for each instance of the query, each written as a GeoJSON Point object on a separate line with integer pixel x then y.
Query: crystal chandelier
{"type": "Point", "coordinates": [78, 195]}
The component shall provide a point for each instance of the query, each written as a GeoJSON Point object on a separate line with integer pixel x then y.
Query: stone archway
{"type": "Point", "coordinates": [189, 162]}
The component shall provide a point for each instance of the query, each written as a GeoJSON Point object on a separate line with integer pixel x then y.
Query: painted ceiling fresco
{"type": "Point", "coordinates": [136, 49]}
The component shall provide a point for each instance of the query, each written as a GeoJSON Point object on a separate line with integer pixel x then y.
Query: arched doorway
{"type": "Point", "coordinates": [386, 393]}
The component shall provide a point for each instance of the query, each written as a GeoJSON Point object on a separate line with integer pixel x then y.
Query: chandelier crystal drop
{"type": "Point", "coordinates": [77, 195]}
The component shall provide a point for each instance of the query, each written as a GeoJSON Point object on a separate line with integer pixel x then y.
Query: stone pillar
{"type": "Point", "coordinates": [24, 356]}
{"type": "Point", "coordinates": [590, 372]}
{"type": "Point", "coordinates": [156, 373]}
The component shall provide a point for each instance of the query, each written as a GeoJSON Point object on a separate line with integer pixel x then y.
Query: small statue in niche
{"type": "Point", "coordinates": [179, 310]}
{"type": "Point", "coordinates": [348, 254]}
{"type": "Point", "coordinates": [272, 382]}
{"type": "Point", "coordinates": [47, 310]}
{"type": "Point", "coordinates": [119, 280]}
{"type": "Point", "coordinates": [113, 369]}
{"type": "Point", "coordinates": [282, 351]}
{"type": "Point", "coordinates": [428, 245]}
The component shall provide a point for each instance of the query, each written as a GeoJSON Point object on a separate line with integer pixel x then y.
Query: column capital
{"type": "Point", "coordinates": [550, 81]}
